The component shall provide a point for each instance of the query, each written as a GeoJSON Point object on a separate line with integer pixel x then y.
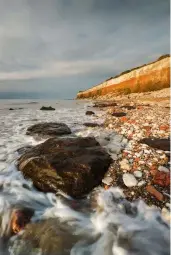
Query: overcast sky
{"type": "Point", "coordinates": [54, 48]}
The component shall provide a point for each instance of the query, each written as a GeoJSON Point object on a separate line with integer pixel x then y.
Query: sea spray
{"type": "Point", "coordinates": [105, 222]}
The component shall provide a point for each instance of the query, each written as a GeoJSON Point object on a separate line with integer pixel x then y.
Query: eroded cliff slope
{"type": "Point", "coordinates": [153, 76]}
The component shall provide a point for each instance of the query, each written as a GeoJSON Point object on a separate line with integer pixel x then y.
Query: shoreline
{"type": "Point", "coordinates": [148, 167]}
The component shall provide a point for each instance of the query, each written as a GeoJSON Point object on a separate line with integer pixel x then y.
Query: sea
{"type": "Point", "coordinates": [108, 225]}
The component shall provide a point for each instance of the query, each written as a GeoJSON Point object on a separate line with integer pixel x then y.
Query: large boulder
{"type": "Point", "coordinates": [48, 129]}
{"type": "Point", "coordinates": [73, 165]}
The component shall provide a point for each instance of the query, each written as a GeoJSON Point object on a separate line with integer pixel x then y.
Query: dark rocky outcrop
{"type": "Point", "coordinates": [157, 143]}
{"type": "Point", "coordinates": [88, 124]}
{"type": "Point", "coordinates": [90, 113]}
{"type": "Point", "coordinates": [73, 165]}
{"type": "Point", "coordinates": [105, 104]}
{"type": "Point", "coordinates": [118, 114]}
{"type": "Point", "coordinates": [47, 108]}
{"type": "Point", "coordinates": [48, 129]}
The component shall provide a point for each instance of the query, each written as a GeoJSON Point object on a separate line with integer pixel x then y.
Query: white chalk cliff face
{"type": "Point", "coordinates": [149, 77]}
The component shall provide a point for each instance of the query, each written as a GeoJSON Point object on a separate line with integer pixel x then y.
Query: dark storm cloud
{"type": "Point", "coordinates": [77, 43]}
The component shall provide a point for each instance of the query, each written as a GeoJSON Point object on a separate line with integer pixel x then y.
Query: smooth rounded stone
{"type": "Point", "coordinates": [138, 174]}
{"type": "Point", "coordinates": [73, 165]}
{"type": "Point", "coordinates": [163, 169]}
{"type": "Point", "coordinates": [163, 156]}
{"type": "Point", "coordinates": [110, 125]}
{"type": "Point", "coordinates": [159, 151]}
{"type": "Point", "coordinates": [129, 180]}
{"type": "Point", "coordinates": [147, 151]}
{"type": "Point", "coordinates": [141, 183]}
{"type": "Point", "coordinates": [47, 108]}
{"type": "Point", "coordinates": [90, 113]}
{"type": "Point", "coordinates": [168, 205]}
{"type": "Point", "coordinates": [124, 164]}
{"type": "Point", "coordinates": [48, 129]}
{"type": "Point", "coordinates": [166, 215]}
{"type": "Point", "coordinates": [107, 180]}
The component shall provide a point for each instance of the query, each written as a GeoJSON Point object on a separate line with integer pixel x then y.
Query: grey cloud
{"type": "Point", "coordinates": [71, 40]}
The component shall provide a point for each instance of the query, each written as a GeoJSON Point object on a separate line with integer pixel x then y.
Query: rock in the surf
{"type": "Point", "coordinates": [102, 104]}
{"type": "Point", "coordinates": [90, 113]}
{"type": "Point", "coordinates": [48, 129]}
{"type": "Point", "coordinates": [47, 108]}
{"type": "Point", "coordinates": [89, 124]}
{"type": "Point", "coordinates": [73, 165]}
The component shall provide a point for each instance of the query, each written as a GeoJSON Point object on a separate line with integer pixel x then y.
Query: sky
{"type": "Point", "coordinates": [54, 48]}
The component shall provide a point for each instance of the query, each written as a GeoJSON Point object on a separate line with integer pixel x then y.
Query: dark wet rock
{"type": "Point", "coordinates": [48, 129]}
{"type": "Point", "coordinates": [157, 143]}
{"type": "Point", "coordinates": [12, 109]}
{"type": "Point", "coordinates": [24, 149]}
{"type": "Point", "coordinates": [128, 107]}
{"type": "Point", "coordinates": [88, 124]}
{"type": "Point", "coordinates": [90, 113]}
{"type": "Point", "coordinates": [50, 236]}
{"type": "Point", "coordinates": [20, 218]}
{"type": "Point", "coordinates": [73, 165]}
{"type": "Point", "coordinates": [104, 104]}
{"type": "Point", "coordinates": [47, 108]}
{"type": "Point", "coordinates": [34, 102]}
{"type": "Point", "coordinates": [118, 114]}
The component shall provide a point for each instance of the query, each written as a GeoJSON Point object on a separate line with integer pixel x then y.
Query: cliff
{"type": "Point", "coordinates": [149, 77]}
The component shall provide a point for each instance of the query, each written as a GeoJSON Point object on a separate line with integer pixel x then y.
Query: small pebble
{"type": "Point", "coordinates": [129, 180]}
{"type": "Point", "coordinates": [163, 156]}
{"type": "Point", "coordinates": [163, 169]}
{"type": "Point", "coordinates": [159, 151]}
{"type": "Point", "coordinates": [107, 180]}
{"type": "Point", "coordinates": [124, 164]}
{"type": "Point", "coordinates": [141, 183]}
{"type": "Point", "coordinates": [138, 174]}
